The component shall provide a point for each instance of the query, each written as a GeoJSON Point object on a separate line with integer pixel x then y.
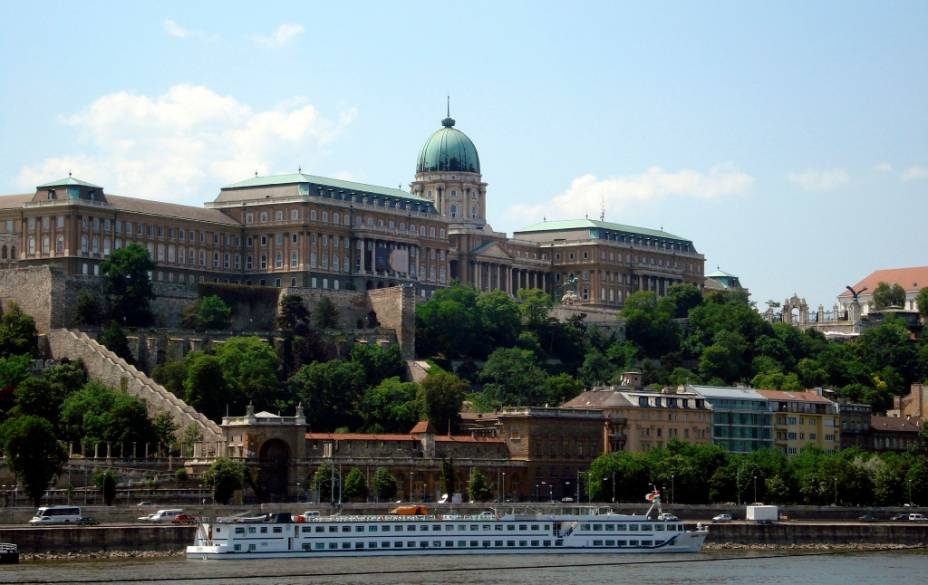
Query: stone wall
{"type": "Point", "coordinates": [606, 319]}
{"type": "Point", "coordinates": [353, 306]}
{"type": "Point", "coordinates": [395, 309]}
{"type": "Point", "coordinates": [108, 368]}
{"type": "Point", "coordinates": [32, 289]}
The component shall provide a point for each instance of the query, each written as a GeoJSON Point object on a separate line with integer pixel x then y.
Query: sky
{"type": "Point", "coordinates": [787, 140]}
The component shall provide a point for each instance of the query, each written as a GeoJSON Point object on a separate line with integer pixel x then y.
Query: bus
{"type": "Point", "coordinates": [57, 515]}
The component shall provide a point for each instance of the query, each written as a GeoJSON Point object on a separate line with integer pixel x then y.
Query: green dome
{"type": "Point", "coordinates": [448, 149]}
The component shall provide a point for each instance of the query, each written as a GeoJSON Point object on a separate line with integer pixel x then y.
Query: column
{"type": "Point", "coordinates": [499, 277]}
{"type": "Point", "coordinates": [363, 255]}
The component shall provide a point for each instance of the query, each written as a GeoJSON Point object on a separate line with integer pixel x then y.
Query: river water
{"type": "Point", "coordinates": [715, 568]}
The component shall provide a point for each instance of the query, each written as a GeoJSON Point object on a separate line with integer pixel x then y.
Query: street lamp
{"type": "Point", "coordinates": [755, 489]}
{"type": "Point", "coordinates": [605, 479]}
{"type": "Point", "coordinates": [673, 485]}
{"type": "Point", "coordinates": [836, 490]}
{"type": "Point", "coordinates": [504, 486]}
{"type": "Point", "coordinates": [410, 485]}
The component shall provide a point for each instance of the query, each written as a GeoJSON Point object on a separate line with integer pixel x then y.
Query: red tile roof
{"type": "Point", "coordinates": [397, 437]}
{"type": "Point", "coordinates": [911, 279]}
{"type": "Point", "coordinates": [422, 426]}
{"type": "Point", "coordinates": [894, 423]}
{"type": "Point", "coordinates": [804, 396]}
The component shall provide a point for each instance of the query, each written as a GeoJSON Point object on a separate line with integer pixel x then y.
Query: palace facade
{"type": "Point", "coordinates": [300, 230]}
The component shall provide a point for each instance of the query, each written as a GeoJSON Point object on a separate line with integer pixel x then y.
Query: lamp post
{"type": "Point", "coordinates": [613, 487]}
{"type": "Point", "coordinates": [605, 479]}
{"type": "Point", "coordinates": [755, 489]}
{"type": "Point", "coordinates": [836, 490]}
{"type": "Point", "coordinates": [410, 485]}
{"type": "Point", "coordinates": [504, 486]}
{"type": "Point", "coordinates": [673, 485]}
{"type": "Point", "coordinates": [298, 492]}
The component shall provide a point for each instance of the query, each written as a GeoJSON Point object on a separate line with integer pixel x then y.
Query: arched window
{"type": "Point", "coordinates": [84, 244]}
{"type": "Point", "coordinates": [3, 252]}
{"type": "Point", "coordinates": [46, 244]}
{"type": "Point", "coordinates": [454, 211]}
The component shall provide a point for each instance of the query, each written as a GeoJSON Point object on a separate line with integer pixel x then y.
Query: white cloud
{"type": "Point", "coordinates": [587, 194]}
{"type": "Point", "coordinates": [182, 145]}
{"type": "Point", "coordinates": [819, 180]}
{"type": "Point", "coordinates": [883, 167]}
{"type": "Point", "coordinates": [175, 30]}
{"type": "Point", "coordinates": [915, 172]}
{"type": "Point", "coordinates": [280, 37]}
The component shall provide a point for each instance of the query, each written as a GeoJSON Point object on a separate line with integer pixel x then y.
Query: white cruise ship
{"type": "Point", "coordinates": [590, 531]}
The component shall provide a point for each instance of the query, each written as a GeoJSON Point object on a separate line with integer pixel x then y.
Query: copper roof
{"type": "Point", "coordinates": [173, 210]}
{"type": "Point", "coordinates": [911, 279]}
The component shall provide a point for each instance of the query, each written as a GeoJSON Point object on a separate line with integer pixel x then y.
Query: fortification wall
{"type": "Point", "coordinates": [395, 308]}
{"type": "Point", "coordinates": [108, 368]}
{"type": "Point", "coordinates": [353, 306]}
{"type": "Point", "coordinates": [33, 289]}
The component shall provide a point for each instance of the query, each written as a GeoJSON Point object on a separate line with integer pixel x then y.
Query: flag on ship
{"type": "Point", "coordinates": [654, 496]}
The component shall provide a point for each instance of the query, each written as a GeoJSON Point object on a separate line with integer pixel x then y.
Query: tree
{"type": "Point", "coordinates": [355, 485]}
{"type": "Point", "coordinates": [921, 301]}
{"type": "Point", "coordinates": [249, 366]}
{"type": "Point", "coordinates": [326, 316]}
{"type": "Point", "coordinates": [97, 414]}
{"type": "Point", "coordinates": [225, 477]}
{"type": "Point", "coordinates": [330, 392]}
{"type": "Point", "coordinates": [209, 312]}
{"type": "Point", "coordinates": [293, 315]}
{"type": "Point", "coordinates": [534, 305]}
{"type": "Point", "coordinates": [38, 397]}
{"type": "Point", "coordinates": [33, 453]}
{"type": "Point", "coordinates": [127, 284]}
{"type": "Point", "coordinates": [115, 340]}
{"type": "Point", "coordinates": [390, 407]}
{"type": "Point", "coordinates": [447, 476]}
{"type": "Point", "coordinates": [560, 388]}
{"type": "Point", "coordinates": [205, 387]}
{"type": "Point", "coordinates": [385, 484]}
{"type": "Point", "coordinates": [323, 482]}
{"type": "Point", "coordinates": [13, 371]}
{"type": "Point", "coordinates": [886, 295]}
{"type": "Point", "coordinates": [191, 435]}
{"type": "Point", "coordinates": [17, 332]}
{"type": "Point", "coordinates": [165, 431]}
{"type": "Point", "coordinates": [88, 310]}
{"type": "Point", "coordinates": [650, 324]}
{"type": "Point", "coordinates": [448, 323]}
{"type": "Point", "coordinates": [172, 374]}
{"type": "Point", "coordinates": [379, 362]}
{"type": "Point", "coordinates": [105, 481]}
{"type": "Point", "coordinates": [499, 320]}
{"type": "Point", "coordinates": [442, 395]}
{"type": "Point", "coordinates": [478, 488]}
{"type": "Point", "coordinates": [513, 377]}
{"type": "Point", "coordinates": [596, 369]}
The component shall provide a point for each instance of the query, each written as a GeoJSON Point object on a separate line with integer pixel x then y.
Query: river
{"type": "Point", "coordinates": [715, 568]}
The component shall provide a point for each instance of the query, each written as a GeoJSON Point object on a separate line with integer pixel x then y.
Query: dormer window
{"type": "Point", "coordinates": [52, 196]}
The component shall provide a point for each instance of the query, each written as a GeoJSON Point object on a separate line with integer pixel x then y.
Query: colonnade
{"type": "Point", "coordinates": [487, 276]}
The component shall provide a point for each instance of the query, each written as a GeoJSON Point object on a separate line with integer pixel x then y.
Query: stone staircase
{"type": "Point", "coordinates": [108, 368]}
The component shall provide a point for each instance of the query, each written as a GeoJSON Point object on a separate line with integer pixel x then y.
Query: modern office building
{"type": "Point", "coordinates": [741, 418]}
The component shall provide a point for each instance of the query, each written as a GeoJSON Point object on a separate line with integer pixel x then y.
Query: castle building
{"type": "Point", "coordinates": [300, 230]}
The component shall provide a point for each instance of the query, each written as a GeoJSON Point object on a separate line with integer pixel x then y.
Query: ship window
{"type": "Point", "coordinates": [622, 542]}
{"type": "Point", "coordinates": [449, 543]}
{"type": "Point", "coordinates": [239, 530]}
{"type": "Point", "coordinates": [371, 544]}
{"type": "Point", "coordinates": [359, 545]}
{"type": "Point", "coordinates": [333, 545]}
{"type": "Point", "coordinates": [620, 528]}
{"type": "Point", "coordinates": [498, 527]}
{"type": "Point", "coordinates": [462, 527]}
{"type": "Point", "coordinates": [320, 528]}
{"type": "Point", "coordinates": [609, 527]}
{"type": "Point", "coordinates": [474, 543]}
{"type": "Point", "coordinates": [597, 543]}
{"type": "Point", "coordinates": [410, 544]}
{"type": "Point", "coordinates": [372, 529]}
{"type": "Point", "coordinates": [385, 528]}
{"type": "Point", "coordinates": [278, 530]}
{"type": "Point", "coordinates": [473, 527]}
{"type": "Point", "coordinates": [397, 545]}
{"type": "Point", "coordinates": [436, 527]}
{"type": "Point", "coordinates": [462, 543]}
{"type": "Point", "coordinates": [238, 547]}
{"type": "Point", "coordinates": [497, 543]}
{"type": "Point", "coordinates": [597, 528]}
{"type": "Point", "coordinates": [251, 530]}
{"type": "Point", "coordinates": [346, 528]}
{"type": "Point", "coordinates": [307, 546]}
{"type": "Point", "coordinates": [510, 527]}
{"type": "Point", "coordinates": [632, 543]}
{"type": "Point", "coordinates": [547, 542]}
{"type": "Point", "coordinates": [585, 527]}
{"type": "Point", "coordinates": [486, 544]}
{"type": "Point", "coordinates": [359, 529]}
{"type": "Point", "coordinates": [559, 542]}
{"type": "Point", "coordinates": [308, 529]}
{"type": "Point", "coordinates": [436, 543]}
{"type": "Point", "coordinates": [411, 528]}
{"type": "Point", "coordinates": [633, 528]}
{"type": "Point", "coordinates": [385, 544]}
{"type": "Point", "coordinates": [319, 545]}
{"type": "Point", "coordinates": [510, 543]}
{"type": "Point", "coordinates": [523, 527]}
{"type": "Point", "coordinates": [647, 542]}
{"type": "Point", "coordinates": [251, 547]}
{"type": "Point", "coordinates": [646, 528]}
{"type": "Point", "coordinates": [547, 527]}
{"type": "Point", "coordinates": [534, 543]}
{"type": "Point", "coordinates": [610, 543]}
{"type": "Point", "coordinates": [346, 545]}
{"type": "Point", "coordinates": [486, 527]}
{"type": "Point", "coordinates": [523, 543]}
{"type": "Point", "coordinates": [333, 528]}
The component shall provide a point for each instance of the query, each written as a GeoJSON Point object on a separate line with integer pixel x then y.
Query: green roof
{"type": "Point", "coordinates": [448, 149]}
{"type": "Point", "coordinates": [573, 224]}
{"type": "Point", "coordinates": [68, 181]}
{"type": "Point", "coordinates": [295, 178]}
{"type": "Point", "coordinates": [720, 274]}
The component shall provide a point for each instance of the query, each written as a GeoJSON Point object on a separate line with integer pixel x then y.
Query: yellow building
{"type": "Point", "coordinates": [803, 419]}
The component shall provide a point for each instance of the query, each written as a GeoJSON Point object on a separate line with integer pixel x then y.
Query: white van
{"type": "Point", "coordinates": [163, 515]}
{"type": "Point", "coordinates": [57, 515]}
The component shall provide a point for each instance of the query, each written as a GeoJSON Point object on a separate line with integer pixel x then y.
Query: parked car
{"type": "Point", "coordinates": [917, 518]}
{"type": "Point", "coordinates": [900, 517]}
{"type": "Point", "coordinates": [184, 519]}
{"type": "Point", "coordinates": [722, 518]}
{"type": "Point", "coordinates": [162, 515]}
{"type": "Point", "coordinates": [667, 517]}
{"type": "Point", "coordinates": [143, 504]}
{"type": "Point", "coordinates": [867, 518]}
{"type": "Point", "coordinates": [567, 499]}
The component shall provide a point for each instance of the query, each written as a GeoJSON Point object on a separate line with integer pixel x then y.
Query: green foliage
{"type": "Point", "coordinates": [390, 407]}
{"type": "Point", "coordinates": [13, 371]}
{"type": "Point", "coordinates": [17, 332]}
{"type": "Point", "coordinates": [478, 488]}
{"type": "Point", "coordinates": [921, 300]}
{"type": "Point", "coordinates": [447, 324]}
{"type": "Point", "coordinates": [379, 363]}
{"type": "Point", "coordinates": [225, 477]}
{"type": "Point", "coordinates": [512, 377]}
{"type": "Point", "coordinates": [683, 296]}
{"type": "Point", "coordinates": [38, 397]}
{"type": "Point", "coordinates": [330, 392]}
{"type": "Point", "coordinates": [441, 395]}
{"type": "Point", "coordinates": [355, 488]}
{"type": "Point", "coordinates": [293, 315]}
{"type": "Point", "coordinates": [165, 430]}
{"type": "Point", "coordinates": [115, 340]}
{"type": "Point", "coordinates": [209, 312]}
{"type": "Point", "coordinates": [534, 305]}
{"type": "Point", "coordinates": [385, 484]}
{"type": "Point", "coordinates": [128, 286]}
{"type": "Point", "coordinates": [499, 319]}
{"type": "Point", "coordinates": [172, 374]}
{"type": "Point", "coordinates": [560, 388]}
{"type": "Point", "coordinates": [33, 453]}
{"type": "Point", "coordinates": [596, 370]}
{"type": "Point", "coordinates": [181, 474]}
{"type": "Point", "coordinates": [326, 316]}
{"type": "Point", "coordinates": [649, 324]}
{"type": "Point", "coordinates": [888, 296]}
{"type": "Point", "coordinates": [322, 482]}
{"type": "Point", "coordinates": [97, 414]}
{"type": "Point", "coordinates": [447, 475]}
{"type": "Point", "coordinates": [105, 480]}
{"type": "Point", "coordinates": [205, 387]}
{"type": "Point", "coordinates": [192, 434]}
{"type": "Point", "coordinates": [88, 310]}
{"type": "Point", "coordinates": [249, 366]}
